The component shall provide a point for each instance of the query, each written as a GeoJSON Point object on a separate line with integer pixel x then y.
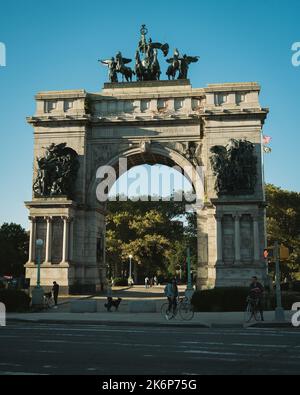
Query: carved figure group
{"type": "Point", "coordinates": [235, 167]}
{"type": "Point", "coordinates": [56, 172]}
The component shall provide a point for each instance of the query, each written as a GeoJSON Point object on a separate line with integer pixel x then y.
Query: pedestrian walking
{"type": "Point", "coordinates": [147, 282]}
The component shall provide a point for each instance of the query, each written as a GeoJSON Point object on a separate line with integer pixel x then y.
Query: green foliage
{"type": "Point", "coordinates": [14, 249]}
{"type": "Point", "coordinates": [234, 299]}
{"type": "Point", "coordinates": [120, 282]}
{"type": "Point", "coordinates": [283, 224]}
{"type": "Point", "coordinates": [14, 301]}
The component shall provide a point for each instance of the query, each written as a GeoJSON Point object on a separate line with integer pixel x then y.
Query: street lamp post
{"type": "Point", "coordinates": [38, 292]}
{"type": "Point", "coordinates": [279, 312]}
{"type": "Point", "coordinates": [130, 270]}
{"type": "Point", "coordinates": [39, 245]}
{"type": "Point", "coordinates": [189, 289]}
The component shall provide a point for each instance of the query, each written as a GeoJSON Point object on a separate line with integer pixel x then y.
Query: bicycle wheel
{"type": "Point", "coordinates": [249, 312]}
{"type": "Point", "coordinates": [256, 313]}
{"type": "Point", "coordinates": [186, 311]}
{"type": "Point", "coordinates": [51, 303]}
{"type": "Point", "coordinates": [164, 309]}
{"type": "Point", "coordinates": [166, 313]}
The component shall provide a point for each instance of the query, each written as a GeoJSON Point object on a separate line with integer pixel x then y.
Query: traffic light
{"type": "Point", "coordinates": [284, 253]}
{"type": "Point", "coordinates": [269, 253]}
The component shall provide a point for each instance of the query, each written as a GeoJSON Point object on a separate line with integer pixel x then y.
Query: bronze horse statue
{"type": "Point", "coordinates": [174, 66]}
{"type": "Point", "coordinates": [139, 68]}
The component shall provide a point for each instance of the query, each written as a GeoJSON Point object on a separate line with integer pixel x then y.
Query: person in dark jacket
{"type": "Point", "coordinates": [257, 293]}
{"type": "Point", "coordinates": [171, 292]}
{"type": "Point", "coordinates": [55, 290]}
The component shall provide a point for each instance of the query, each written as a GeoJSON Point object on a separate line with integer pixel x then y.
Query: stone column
{"type": "Point", "coordinates": [32, 239]}
{"type": "Point", "coordinates": [237, 239]}
{"type": "Point", "coordinates": [71, 239]}
{"type": "Point", "coordinates": [256, 238]}
{"type": "Point", "coordinates": [65, 248]}
{"type": "Point", "coordinates": [219, 239]}
{"type": "Point", "coordinates": [48, 249]}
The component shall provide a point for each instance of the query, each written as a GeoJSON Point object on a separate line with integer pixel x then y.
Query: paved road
{"type": "Point", "coordinates": [90, 349]}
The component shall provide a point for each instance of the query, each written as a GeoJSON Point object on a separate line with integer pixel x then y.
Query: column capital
{"type": "Point", "coordinates": [237, 216]}
{"type": "Point", "coordinates": [32, 218]}
{"type": "Point", "coordinates": [48, 218]}
{"type": "Point", "coordinates": [65, 218]}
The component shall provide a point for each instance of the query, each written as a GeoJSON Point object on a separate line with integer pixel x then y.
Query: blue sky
{"type": "Point", "coordinates": [55, 45]}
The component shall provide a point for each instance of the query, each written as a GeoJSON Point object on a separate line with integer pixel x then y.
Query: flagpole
{"type": "Point", "coordinates": [264, 193]}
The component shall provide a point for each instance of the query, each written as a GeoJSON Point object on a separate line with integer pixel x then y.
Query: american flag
{"type": "Point", "coordinates": [267, 139]}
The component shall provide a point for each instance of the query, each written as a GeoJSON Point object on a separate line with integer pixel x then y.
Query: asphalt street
{"type": "Point", "coordinates": [99, 349]}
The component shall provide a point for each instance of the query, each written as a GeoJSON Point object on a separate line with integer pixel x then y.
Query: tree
{"type": "Point", "coordinates": [283, 224]}
{"type": "Point", "coordinates": [14, 242]}
{"type": "Point", "coordinates": [152, 232]}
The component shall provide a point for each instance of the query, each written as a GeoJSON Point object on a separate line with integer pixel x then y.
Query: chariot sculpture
{"type": "Point", "coordinates": [147, 66]}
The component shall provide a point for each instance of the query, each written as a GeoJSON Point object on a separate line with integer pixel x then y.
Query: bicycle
{"type": "Point", "coordinates": [48, 300]}
{"type": "Point", "coordinates": [183, 307]}
{"type": "Point", "coordinates": [251, 309]}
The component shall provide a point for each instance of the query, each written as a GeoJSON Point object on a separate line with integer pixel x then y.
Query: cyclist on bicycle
{"type": "Point", "coordinates": [257, 294]}
{"type": "Point", "coordinates": [171, 292]}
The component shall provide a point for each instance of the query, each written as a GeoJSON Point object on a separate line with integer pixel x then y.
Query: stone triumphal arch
{"type": "Point", "coordinates": [214, 134]}
{"type": "Point", "coordinates": [217, 128]}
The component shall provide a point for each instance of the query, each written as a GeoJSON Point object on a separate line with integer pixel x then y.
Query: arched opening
{"type": "Point", "coordinates": [150, 215]}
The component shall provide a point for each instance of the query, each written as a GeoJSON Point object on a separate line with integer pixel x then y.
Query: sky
{"type": "Point", "coordinates": [55, 46]}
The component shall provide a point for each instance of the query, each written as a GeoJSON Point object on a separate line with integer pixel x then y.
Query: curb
{"type": "Point", "coordinates": [257, 325]}
{"type": "Point", "coordinates": [216, 325]}
{"type": "Point", "coordinates": [112, 323]}
{"type": "Point", "coordinates": [268, 325]}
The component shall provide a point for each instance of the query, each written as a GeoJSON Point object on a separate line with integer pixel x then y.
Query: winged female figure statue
{"type": "Point", "coordinates": [112, 69]}
{"type": "Point", "coordinates": [150, 65]}
{"type": "Point", "coordinates": [180, 64]}
{"type": "Point", "coordinates": [185, 62]}
{"type": "Point", "coordinates": [174, 65]}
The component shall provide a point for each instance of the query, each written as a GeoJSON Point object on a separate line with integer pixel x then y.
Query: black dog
{"type": "Point", "coordinates": [112, 303]}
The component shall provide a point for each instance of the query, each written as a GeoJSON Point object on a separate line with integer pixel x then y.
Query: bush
{"type": "Point", "coordinates": [14, 301]}
{"type": "Point", "coordinates": [234, 299]}
{"type": "Point", "coordinates": [296, 286]}
{"type": "Point", "coordinates": [220, 299]}
{"type": "Point", "coordinates": [120, 282]}
{"type": "Point", "coordinates": [285, 286]}
{"type": "Point", "coordinates": [287, 299]}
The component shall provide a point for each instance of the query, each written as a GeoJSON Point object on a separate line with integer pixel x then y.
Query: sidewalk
{"type": "Point", "coordinates": [62, 315]}
{"type": "Point", "coordinates": [200, 320]}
